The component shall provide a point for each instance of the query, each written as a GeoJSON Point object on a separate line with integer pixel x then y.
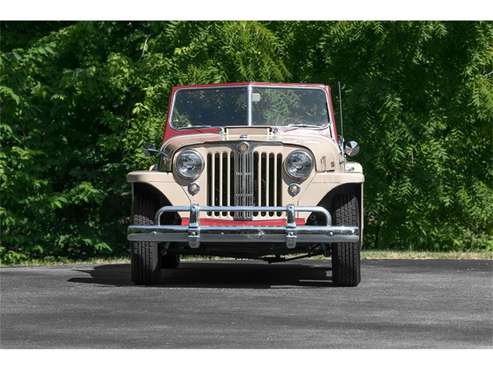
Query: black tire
{"type": "Point", "coordinates": [346, 263]}
{"type": "Point", "coordinates": [145, 256]}
{"type": "Point", "coordinates": [170, 261]}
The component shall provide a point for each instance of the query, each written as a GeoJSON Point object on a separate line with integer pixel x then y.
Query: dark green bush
{"type": "Point", "coordinates": [78, 100]}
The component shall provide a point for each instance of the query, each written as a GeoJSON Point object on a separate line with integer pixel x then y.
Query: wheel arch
{"type": "Point", "coordinates": [353, 188]}
{"type": "Point", "coordinates": [151, 192]}
{"type": "Point", "coordinates": [327, 201]}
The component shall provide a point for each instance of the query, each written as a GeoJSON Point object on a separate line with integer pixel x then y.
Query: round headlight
{"type": "Point", "coordinates": [298, 164]}
{"type": "Point", "coordinates": [189, 164]}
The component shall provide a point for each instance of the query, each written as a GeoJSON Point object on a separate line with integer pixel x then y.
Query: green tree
{"type": "Point", "coordinates": [418, 97]}
{"type": "Point", "coordinates": [78, 104]}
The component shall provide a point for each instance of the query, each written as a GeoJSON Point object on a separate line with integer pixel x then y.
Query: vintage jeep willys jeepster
{"type": "Point", "coordinates": [248, 170]}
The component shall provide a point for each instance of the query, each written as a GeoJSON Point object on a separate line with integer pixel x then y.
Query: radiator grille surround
{"type": "Point", "coordinates": [244, 178]}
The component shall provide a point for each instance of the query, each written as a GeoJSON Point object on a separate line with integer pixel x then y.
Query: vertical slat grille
{"type": "Point", "coordinates": [249, 178]}
{"type": "Point", "coordinates": [263, 181]}
{"type": "Point", "coordinates": [243, 183]}
{"type": "Point", "coordinates": [279, 182]}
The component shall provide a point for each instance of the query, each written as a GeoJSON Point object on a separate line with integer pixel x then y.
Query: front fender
{"type": "Point", "coordinates": [163, 182]}
{"type": "Point", "coordinates": [325, 185]}
{"type": "Point", "coordinates": [324, 182]}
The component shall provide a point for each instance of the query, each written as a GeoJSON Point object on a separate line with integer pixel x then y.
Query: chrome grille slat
{"type": "Point", "coordinates": [263, 181]}
{"type": "Point", "coordinates": [274, 182]}
{"type": "Point", "coordinates": [267, 183]}
{"type": "Point", "coordinates": [228, 179]}
{"type": "Point", "coordinates": [220, 182]}
{"type": "Point", "coordinates": [259, 181]}
{"type": "Point", "coordinates": [243, 183]}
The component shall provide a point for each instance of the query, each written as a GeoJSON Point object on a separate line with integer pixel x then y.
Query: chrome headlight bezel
{"type": "Point", "coordinates": [288, 166]}
{"type": "Point", "coordinates": [198, 171]}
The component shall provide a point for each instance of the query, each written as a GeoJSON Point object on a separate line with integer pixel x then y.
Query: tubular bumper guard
{"type": "Point", "coordinates": [290, 234]}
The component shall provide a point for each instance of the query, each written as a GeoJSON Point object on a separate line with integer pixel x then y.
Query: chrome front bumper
{"type": "Point", "coordinates": [290, 234]}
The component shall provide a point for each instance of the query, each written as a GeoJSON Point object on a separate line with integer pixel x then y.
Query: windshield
{"type": "Point", "coordinates": [268, 106]}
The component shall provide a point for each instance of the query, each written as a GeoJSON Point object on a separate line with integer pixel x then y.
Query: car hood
{"type": "Point", "coordinates": [318, 141]}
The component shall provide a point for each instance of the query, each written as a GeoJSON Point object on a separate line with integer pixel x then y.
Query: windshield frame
{"type": "Point", "coordinates": [249, 87]}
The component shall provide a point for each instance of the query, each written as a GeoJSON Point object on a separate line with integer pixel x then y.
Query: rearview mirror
{"type": "Point", "coordinates": [256, 97]}
{"type": "Point", "coordinates": [351, 148]}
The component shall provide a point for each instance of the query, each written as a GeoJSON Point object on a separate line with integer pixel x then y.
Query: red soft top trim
{"type": "Point", "coordinates": [250, 83]}
{"type": "Point", "coordinates": [332, 115]}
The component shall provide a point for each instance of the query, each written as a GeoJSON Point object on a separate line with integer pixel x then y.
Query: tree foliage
{"type": "Point", "coordinates": [78, 100]}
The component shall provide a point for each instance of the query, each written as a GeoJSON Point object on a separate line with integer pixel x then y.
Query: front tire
{"type": "Point", "coordinates": [145, 257]}
{"type": "Point", "coordinates": [346, 263]}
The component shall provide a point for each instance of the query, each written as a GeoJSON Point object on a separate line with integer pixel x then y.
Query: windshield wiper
{"type": "Point", "coordinates": [200, 126]}
{"type": "Point", "coordinates": [303, 125]}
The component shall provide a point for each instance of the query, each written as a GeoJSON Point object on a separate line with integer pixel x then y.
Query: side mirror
{"type": "Point", "coordinates": [351, 148]}
{"type": "Point", "coordinates": [150, 149]}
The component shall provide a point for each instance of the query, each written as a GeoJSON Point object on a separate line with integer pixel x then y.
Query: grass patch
{"type": "Point", "coordinates": [67, 261]}
{"type": "Point", "coordinates": [423, 255]}
{"type": "Point", "coordinates": [365, 255]}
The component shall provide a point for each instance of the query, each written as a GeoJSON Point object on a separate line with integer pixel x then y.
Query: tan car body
{"type": "Point", "coordinates": [242, 191]}
{"type": "Point", "coordinates": [331, 170]}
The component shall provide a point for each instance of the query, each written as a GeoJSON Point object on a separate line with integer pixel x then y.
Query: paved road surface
{"type": "Point", "coordinates": [400, 303]}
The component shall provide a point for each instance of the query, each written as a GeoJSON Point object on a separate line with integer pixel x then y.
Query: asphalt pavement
{"type": "Point", "coordinates": [399, 304]}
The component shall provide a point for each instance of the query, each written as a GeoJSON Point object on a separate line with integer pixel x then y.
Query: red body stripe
{"type": "Point", "coordinates": [220, 222]}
